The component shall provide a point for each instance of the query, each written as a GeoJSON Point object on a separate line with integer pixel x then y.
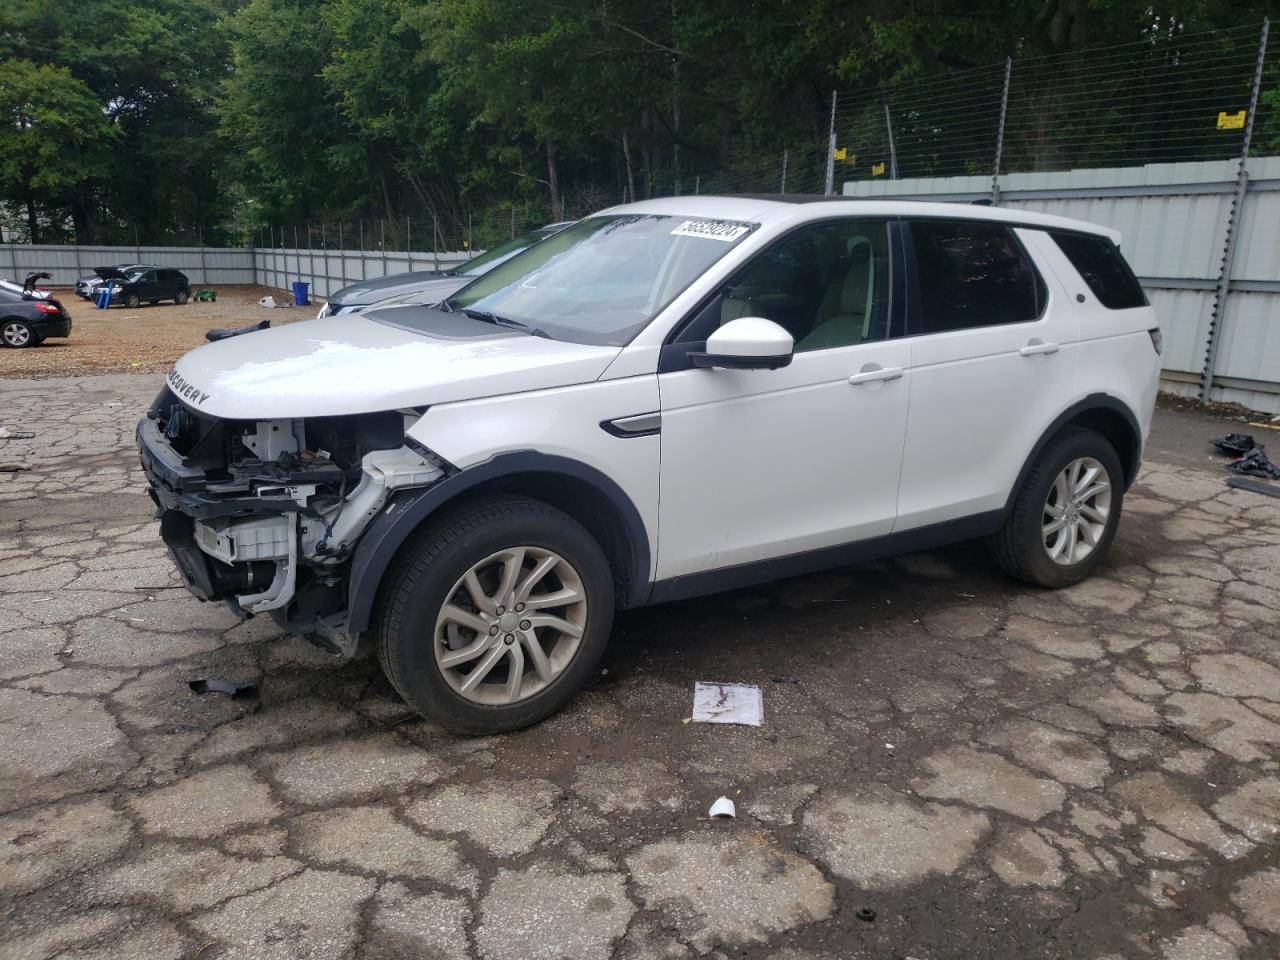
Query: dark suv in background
{"type": "Point", "coordinates": [151, 284]}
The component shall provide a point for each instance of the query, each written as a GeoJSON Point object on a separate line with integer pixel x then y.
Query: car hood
{"type": "Point", "coordinates": [344, 365]}
{"type": "Point", "coordinates": [108, 273]}
{"type": "Point", "coordinates": [369, 291]}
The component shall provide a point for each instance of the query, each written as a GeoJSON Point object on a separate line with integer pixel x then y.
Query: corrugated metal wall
{"type": "Point", "coordinates": [1174, 219]}
{"type": "Point", "coordinates": [68, 263]}
{"type": "Point", "coordinates": [325, 270]}
{"type": "Point", "coordinates": [330, 270]}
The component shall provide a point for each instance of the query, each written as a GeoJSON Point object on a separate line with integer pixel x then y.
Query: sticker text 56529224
{"type": "Point", "coordinates": [724, 230]}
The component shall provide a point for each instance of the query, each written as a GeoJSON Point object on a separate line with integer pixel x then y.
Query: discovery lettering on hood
{"type": "Point", "coordinates": [187, 391]}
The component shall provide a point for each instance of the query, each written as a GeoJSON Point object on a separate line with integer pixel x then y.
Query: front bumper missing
{"type": "Point", "coordinates": [242, 549]}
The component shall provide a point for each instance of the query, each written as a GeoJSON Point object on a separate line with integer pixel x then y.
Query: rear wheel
{"type": "Point", "coordinates": [1065, 515]}
{"type": "Point", "coordinates": [15, 333]}
{"type": "Point", "coordinates": [495, 615]}
{"type": "Point", "coordinates": [181, 297]}
{"type": "Point", "coordinates": [131, 301]}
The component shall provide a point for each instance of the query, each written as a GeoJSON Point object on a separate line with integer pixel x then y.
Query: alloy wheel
{"type": "Point", "coordinates": [16, 334]}
{"type": "Point", "coordinates": [1076, 511]}
{"type": "Point", "coordinates": [510, 625]}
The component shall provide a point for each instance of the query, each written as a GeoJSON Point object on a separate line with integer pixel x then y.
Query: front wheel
{"type": "Point", "coordinates": [181, 297]}
{"type": "Point", "coordinates": [495, 615]}
{"type": "Point", "coordinates": [1065, 514]}
{"type": "Point", "coordinates": [131, 301]}
{"type": "Point", "coordinates": [15, 333]}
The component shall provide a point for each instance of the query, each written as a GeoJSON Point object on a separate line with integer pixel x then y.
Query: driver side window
{"type": "Point", "coordinates": [826, 284]}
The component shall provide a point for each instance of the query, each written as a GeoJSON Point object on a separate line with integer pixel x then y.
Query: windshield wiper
{"type": "Point", "coordinates": [496, 320]}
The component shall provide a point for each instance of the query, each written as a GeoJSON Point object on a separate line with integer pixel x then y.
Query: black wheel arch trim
{"type": "Point", "coordinates": [397, 521]}
{"type": "Point", "coordinates": [1094, 401]}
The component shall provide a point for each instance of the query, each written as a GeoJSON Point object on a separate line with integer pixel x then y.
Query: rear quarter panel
{"type": "Point", "coordinates": [1116, 356]}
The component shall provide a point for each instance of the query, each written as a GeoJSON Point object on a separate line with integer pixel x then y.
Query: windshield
{"type": "Point", "coordinates": [496, 255]}
{"type": "Point", "coordinates": [602, 279]}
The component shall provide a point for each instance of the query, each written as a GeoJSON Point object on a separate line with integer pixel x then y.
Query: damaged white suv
{"type": "Point", "coordinates": [667, 399]}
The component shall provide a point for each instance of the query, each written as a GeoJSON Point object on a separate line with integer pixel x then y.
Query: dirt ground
{"type": "Point", "coordinates": [952, 766]}
{"type": "Point", "coordinates": [146, 340]}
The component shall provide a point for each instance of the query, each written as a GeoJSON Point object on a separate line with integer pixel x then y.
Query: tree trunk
{"type": "Point", "coordinates": [33, 222]}
{"type": "Point", "coordinates": [675, 110]}
{"type": "Point", "coordinates": [553, 182]}
{"type": "Point", "coordinates": [630, 189]}
{"type": "Point", "coordinates": [386, 199]}
{"type": "Point", "coordinates": [80, 219]}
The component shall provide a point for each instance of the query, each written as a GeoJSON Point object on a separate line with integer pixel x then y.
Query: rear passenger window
{"type": "Point", "coordinates": [972, 274]}
{"type": "Point", "coordinates": [1103, 268]}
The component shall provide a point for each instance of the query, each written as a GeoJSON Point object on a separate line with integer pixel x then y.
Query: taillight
{"type": "Point", "coordinates": [1157, 340]}
{"type": "Point", "coordinates": [46, 308]}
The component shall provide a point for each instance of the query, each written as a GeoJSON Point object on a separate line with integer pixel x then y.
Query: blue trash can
{"type": "Point", "coordinates": [300, 294]}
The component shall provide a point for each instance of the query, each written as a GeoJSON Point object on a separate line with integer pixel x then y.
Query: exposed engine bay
{"type": "Point", "coordinates": [264, 514]}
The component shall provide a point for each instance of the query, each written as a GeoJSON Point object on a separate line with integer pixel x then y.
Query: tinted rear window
{"type": "Point", "coordinates": [973, 274]}
{"type": "Point", "coordinates": [1103, 268]}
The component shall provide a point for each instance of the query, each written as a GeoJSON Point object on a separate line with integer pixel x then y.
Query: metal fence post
{"type": "Point", "coordinates": [204, 270]}
{"type": "Point", "coordinates": [408, 240]}
{"type": "Point", "coordinates": [697, 184]}
{"type": "Point", "coordinates": [782, 188]}
{"type": "Point", "coordinates": [79, 269]}
{"type": "Point", "coordinates": [364, 272]}
{"type": "Point", "coordinates": [1234, 213]}
{"type": "Point", "coordinates": [435, 241]}
{"type": "Point", "coordinates": [471, 238]}
{"type": "Point", "coordinates": [893, 153]}
{"type": "Point", "coordinates": [382, 224]}
{"type": "Point", "coordinates": [831, 150]}
{"type": "Point", "coordinates": [137, 247]}
{"type": "Point", "coordinates": [1004, 110]}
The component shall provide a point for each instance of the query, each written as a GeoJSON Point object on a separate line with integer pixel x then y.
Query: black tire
{"type": "Point", "coordinates": [16, 333]}
{"type": "Point", "coordinates": [423, 577]}
{"type": "Point", "coordinates": [131, 301]}
{"type": "Point", "coordinates": [181, 297]}
{"type": "Point", "coordinates": [1018, 547]}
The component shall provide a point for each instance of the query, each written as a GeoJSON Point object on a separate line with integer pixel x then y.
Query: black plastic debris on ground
{"type": "Point", "coordinates": [229, 687]}
{"type": "Point", "coordinates": [1254, 486]}
{"type": "Point", "coordinates": [225, 333]}
{"type": "Point", "coordinates": [1236, 444]}
{"type": "Point", "coordinates": [1250, 456]}
{"type": "Point", "coordinates": [1256, 464]}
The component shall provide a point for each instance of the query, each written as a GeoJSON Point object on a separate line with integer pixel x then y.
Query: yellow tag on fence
{"type": "Point", "coordinates": [877, 169]}
{"type": "Point", "coordinates": [842, 153]}
{"type": "Point", "coordinates": [1231, 121]}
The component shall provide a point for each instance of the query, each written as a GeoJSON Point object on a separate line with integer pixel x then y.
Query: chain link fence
{"type": "Point", "coordinates": [1171, 98]}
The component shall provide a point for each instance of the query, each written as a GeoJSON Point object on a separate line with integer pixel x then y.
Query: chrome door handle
{"type": "Point", "coordinates": [871, 374]}
{"type": "Point", "coordinates": [1037, 348]}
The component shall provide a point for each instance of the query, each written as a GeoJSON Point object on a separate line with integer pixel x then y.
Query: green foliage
{"type": "Point", "coordinates": [225, 115]}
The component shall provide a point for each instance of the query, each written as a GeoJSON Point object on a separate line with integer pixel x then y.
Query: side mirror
{"type": "Point", "coordinates": [747, 343]}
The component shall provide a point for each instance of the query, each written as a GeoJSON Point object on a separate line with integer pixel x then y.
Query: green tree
{"type": "Point", "coordinates": [55, 137]}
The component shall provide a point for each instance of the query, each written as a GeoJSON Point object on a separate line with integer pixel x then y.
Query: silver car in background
{"type": "Point", "coordinates": [430, 286]}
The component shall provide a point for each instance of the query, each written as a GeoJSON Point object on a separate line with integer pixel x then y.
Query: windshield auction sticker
{"type": "Point", "coordinates": [724, 230]}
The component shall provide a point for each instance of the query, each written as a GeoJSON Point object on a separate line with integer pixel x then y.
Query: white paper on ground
{"type": "Point", "coordinates": [727, 703]}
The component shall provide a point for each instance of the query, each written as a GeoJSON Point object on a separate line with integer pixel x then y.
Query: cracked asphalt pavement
{"type": "Point", "coordinates": [994, 770]}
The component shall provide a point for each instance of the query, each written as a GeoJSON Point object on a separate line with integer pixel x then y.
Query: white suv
{"type": "Point", "coordinates": [667, 399]}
